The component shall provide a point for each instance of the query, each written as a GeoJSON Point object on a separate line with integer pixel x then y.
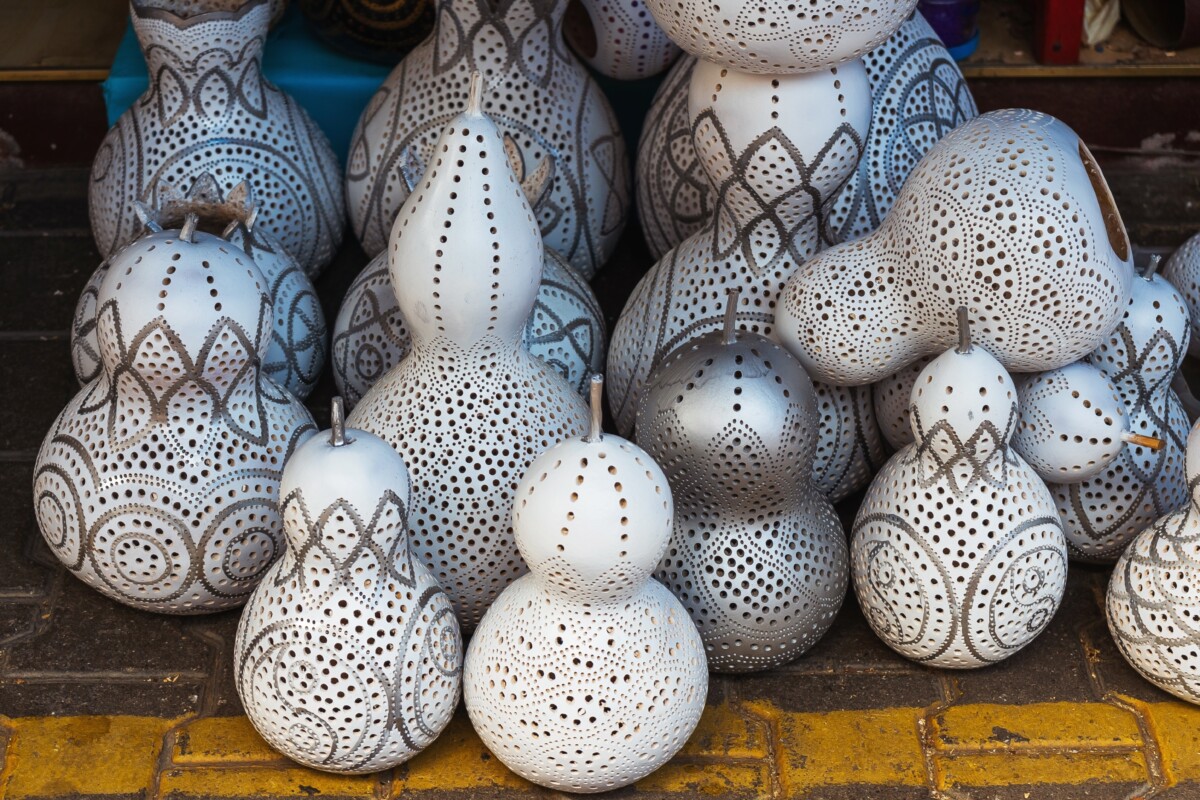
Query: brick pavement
{"type": "Point", "coordinates": [99, 700]}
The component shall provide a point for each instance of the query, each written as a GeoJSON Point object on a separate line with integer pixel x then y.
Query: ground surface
{"type": "Point", "coordinates": [100, 700]}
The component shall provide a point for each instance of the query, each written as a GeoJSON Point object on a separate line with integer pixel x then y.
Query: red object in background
{"type": "Point", "coordinates": [1057, 30]}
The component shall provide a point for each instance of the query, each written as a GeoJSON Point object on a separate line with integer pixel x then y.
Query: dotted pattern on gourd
{"type": "Point", "coordinates": [1152, 603]}
{"type": "Point", "coordinates": [157, 484]}
{"type": "Point", "coordinates": [779, 38]}
{"type": "Point", "coordinates": [891, 396]}
{"type": "Point", "coordinates": [918, 96]}
{"type": "Point", "coordinates": [209, 109]}
{"type": "Point", "coordinates": [958, 556]}
{"type": "Point", "coordinates": [468, 422]}
{"type": "Point", "coordinates": [1143, 355]}
{"type": "Point", "coordinates": [849, 447]}
{"type": "Point", "coordinates": [1071, 422]}
{"type": "Point", "coordinates": [587, 674]}
{"type": "Point", "coordinates": [537, 92]}
{"type": "Point", "coordinates": [565, 330]}
{"type": "Point", "coordinates": [298, 347]}
{"type": "Point", "coordinates": [769, 218]}
{"type": "Point", "coordinates": [1044, 265]}
{"type": "Point", "coordinates": [1183, 271]}
{"type": "Point", "coordinates": [381, 30]}
{"type": "Point", "coordinates": [674, 196]}
{"type": "Point", "coordinates": [348, 656]}
{"type": "Point", "coordinates": [618, 38]}
{"type": "Point", "coordinates": [758, 556]}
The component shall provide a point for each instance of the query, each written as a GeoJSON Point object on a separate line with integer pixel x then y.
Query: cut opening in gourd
{"type": "Point", "coordinates": [1117, 237]}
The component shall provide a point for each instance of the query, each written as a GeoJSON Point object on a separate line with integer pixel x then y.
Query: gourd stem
{"type": "Point", "coordinates": [475, 94]}
{"type": "Point", "coordinates": [597, 400]}
{"type": "Point", "coordinates": [188, 232]}
{"type": "Point", "coordinates": [337, 423]}
{"type": "Point", "coordinates": [1152, 267]}
{"type": "Point", "coordinates": [964, 330]}
{"type": "Point", "coordinates": [1152, 442]}
{"type": "Point", "coordinates": [731, 304]}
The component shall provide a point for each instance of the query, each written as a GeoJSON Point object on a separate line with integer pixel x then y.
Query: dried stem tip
{"type": "Point", "coordinates": [731, 304]}
{"type": "Point", "coordinates": [337, 423]}
{"type": "Point", "coordinates": [475, 94]}
{"type": "Point", "coordinates": [1152, 267]}
{"type": "Point", "coordinates": [1152, 442]}
{"type": "Point", "coordinates": [597, 400]}
{"type": "Point", "coordinates": [188, 232]}
{"type": "Point", "coordinates": [964, 330]}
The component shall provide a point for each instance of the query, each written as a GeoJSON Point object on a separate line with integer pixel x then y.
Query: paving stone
{"type": "Point", "coordinates": [96, 695]}
{"type": "Point", "coordinates": [36, 382]}
{"type": "Point", "coordinates": [43, 275]}
{"type": "Point", "coordinates": [44, 200]}
{"type": "Point", "coordinates": [27, 567]}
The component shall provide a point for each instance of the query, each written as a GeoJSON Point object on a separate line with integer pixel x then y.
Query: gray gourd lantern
{"type": "Point", "coordinates": [957, 553]}
{"type": "Point", "coordinates": [758, 555]}
{"type": "Point", "coordinates": [348, 657]}
{"type": "Point", "coordinates": [210, 110]}
{"type": "Point", "coordinates": [468, 408]}
{"type": "Point", "coordinates": [158, 484]}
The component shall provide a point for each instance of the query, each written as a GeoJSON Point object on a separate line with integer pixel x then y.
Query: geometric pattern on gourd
{"type": "Point", "coordinates": [1183, 271]}
{"type": "Point", "coordinates": [624, 41]}
{"type": "Point", "coordinates": [1153, 606]}
{"type": "Point", "coordinates": [919, 95]}
{"type": "Point", "coordinates": [779, 38]}
{"type": "Point", "coordinates": [1102, 514]}
{"type": "Point", "coordinates": [565, 330]}
{"type": "Point", "coordinates": [468, 421]}
{"type": "Point", "coordinates": [157, 483]}
{"type": "Point", "coordinates": [674, 196]}
{"type": "Point", "coordinates": [891, 400]}
{"type": "Point", "coordinates": [849, 444]}
{"type": "Point", "coordinates": [348, 656]}
{"type": "Point", "coordinates": [584, 697]}
{"type": "Point", "coordinates": [1026, 234]}
{"type": "Point", "coordinates": [538, 93]}
{"type": "Point", "coordinates": [950, 596]}
{"type": "Point", "coordinates": [769, 218]}
{"type": "Point", "coordinates": [210, 110]}
{"type": "Point", "coordinates": [759, 560]}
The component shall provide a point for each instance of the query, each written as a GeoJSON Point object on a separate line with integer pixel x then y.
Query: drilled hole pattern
{"type": "Point", "coordinates": [1141, 357]}
{"type": "Point", "coordinates": [565, 330]}
{"type": "Point", "coordinates": [849, 446]}
{"type": "Point", "coordinates": [1071, 422]}
{"type": "Point", "coordinates": [1153, 611]}
{"type": "Point", "coordinates": [1035, 265]}
{"type": "Point", "coordinates": [764, 37]}
{"type": "Point", "coordinates": [537, 91]}
{"type": "Point", "coordinates": [958, 555]}
{"type": "Point", "coordinates": [468, 408]}
{"type": "Point", "coordinates": [775, 164]}
{"type": "Point", "coordinates": [348, 657]}
{"type": "Point", "coordinates": [158, 484]}
{"type": "Point", "coordinates": [757, 556]}
{"type": "Point", "coordinates": [619, 38]}
{"type": "Point", "coordinates": [891, 395]}
{"type": "Point", "coordinates": [1183, 271]}
{"type": "Point", "coordinates": [587, 674]}
{"type": "Point", "coordinates": [299, 340]}
{"type": "Point", "coordinates": [209, 109]}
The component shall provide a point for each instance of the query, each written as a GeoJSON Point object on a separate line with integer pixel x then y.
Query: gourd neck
{"type": "Point", "coordinates": [498, 36]}
{"type": "Point", "coordinates": [193, 39]}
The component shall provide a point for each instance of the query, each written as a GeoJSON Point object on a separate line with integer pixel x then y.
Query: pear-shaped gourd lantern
{"type": "Point", "coordinates": [1183, 271]}
{"type": "Point", "coordinates": [158, 484]}
{"type": "Point", "coordinates": [1009, 206]}
{"type": "Point", "coordinates": [299, 342]}
{"type": "Point", "coordinates": [1147, 479]}
{"type": "Point", "coordinates": [565, 330]}
{"type": "Point", "coordinates": [348, 657]}
{"type": "Point", "coordinates": [958, 554]}
{"type": "Point", "coordinates": [538, 93]}
{"type": "Point", "coordinates": [758, 555]}
{"type": "Point", "coordinates": [1154, 594]}
{"type": "Point", "coordinates": [587, 674]}
{"type": "Point", "coordinates": [210, 110]}
{"type": "Point", "coordinates": [618, 38]}
{"type": "Point", "coordinates": [468, 408]}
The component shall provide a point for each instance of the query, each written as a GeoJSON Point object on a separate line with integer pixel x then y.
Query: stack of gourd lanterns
{"type": "Point", "coordinates": [847, 253]}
